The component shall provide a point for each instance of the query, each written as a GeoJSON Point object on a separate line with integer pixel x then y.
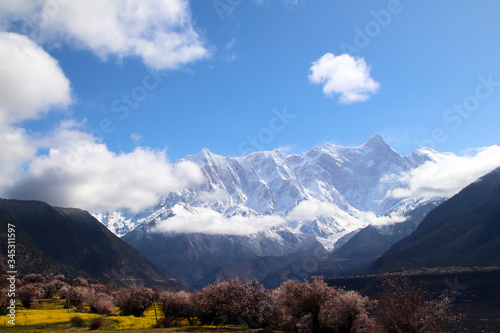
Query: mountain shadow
{"type": "Point", "coordinates": [51, 240]}
{"type": "Point", "coordinates": [463, 231]}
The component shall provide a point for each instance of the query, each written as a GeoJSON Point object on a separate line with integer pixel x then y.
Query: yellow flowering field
{"type": "Point", "coordinates": [53, 312]}
{"type": "Point", "coordinates": [45, 314]}
{"type": "Point", "coordinates": [51, 316]}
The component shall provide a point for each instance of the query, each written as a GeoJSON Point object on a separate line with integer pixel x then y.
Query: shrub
{"type": "Point", "coordinates": [77, 321]}
{"type": "Point", "coordinates": [80, 282]}
{"type": "Point", "coordinates": [259, 309]}
{"type": "Point", "coordinates": [102, 303]}
{"type": "Point", "coordinates": [96, 323]}
{"type": "Point", "coordinates": [220, 303]}
{"type": "Point", "coordinates": [406, 307]}
{"type": "Point", "coordinates": [178, 305]}
{"type": "Point", "coordinates": [33, 278]}
{"type": "Point", "coordinates": [49, 289]}
{"type": "Point", "coordinates": [134, 300]}
{"type": "Point", "coordinates": [78, 295]}
{"type": "Point", "coordinates": [99, 288]}
{"type": "Point", "coordinates": [347, 311]}
{"type": "Point", "coordinates": [300, 303]}
{"type": "Point", "coordinates": [28, 295]}
{"type": "Point", "coordinates": [60, 277]}
{"type": "Point", "coordinates": [228, 302]}
{"type": "Point", "coordinates": [63, 290]}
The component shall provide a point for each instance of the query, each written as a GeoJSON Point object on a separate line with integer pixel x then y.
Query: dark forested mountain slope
{"type": "Point", "coordinates": [73, 242]}
{"type": "Point", "coordinates": [463, 231]}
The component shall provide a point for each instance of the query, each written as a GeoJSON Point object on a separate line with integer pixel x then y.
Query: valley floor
{"type": "Point", "coordinates": [475, 293]}
{"type": "Point", "coordinates": [50, 316]}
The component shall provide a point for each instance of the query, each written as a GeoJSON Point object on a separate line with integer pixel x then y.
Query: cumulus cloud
{"type": "Point", "coordinates": [16, 149]}
{"type": "Point", "coordinates": [447, 174]}
{"type": "Point", "coordinates": [31, 84]}
{"type": "Point", "coordinates": [160, 32]}
{"type": "Point", "coordinates": [87, 175]}
{"type": "Point", "coordinates": [374, 219]}
{"type": "Point", "coordinates": [76, 170]}
{"type": "Point", "coordinates": [79, 172]}
{"type": "Point", "coordinates": [31, 81]}
{"type": "Point", "coordinates": [211, 222]}
{"type": "Point", "coordinates": [312, 209]}
{"type": "Point", "coordinates": [207, 221]}
{"type": "Point", "coordinates": [345, 75]}
{"type": "Point", "coordinates": [68, 130]}
{"type": "Point", "coordinates": [309, 210]}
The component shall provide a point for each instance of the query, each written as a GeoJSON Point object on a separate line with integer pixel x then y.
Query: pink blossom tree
{"type": "Point", "coordinates": [134, 300]}
{"type": "Point", "coordinates": [407, 307]}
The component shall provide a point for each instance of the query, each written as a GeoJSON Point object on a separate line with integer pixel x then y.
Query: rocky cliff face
{"type": "Point", "coordinates": [271, 204]}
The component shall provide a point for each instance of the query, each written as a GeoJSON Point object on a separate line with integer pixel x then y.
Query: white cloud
{"type": "Point", "coordinates": [31, 81]}
{"type": "Point", "coordinates": [229, 54]}
{"type": "Point", "coordinates": [16, 149]}
{"type": "Point", "coordinates": [89, 176]}
{"type": "Point", "coordinates": [447, 174]}
{"type": "Point", "coordinates": [373, 219]}
{"type": "Point", "coordinates": [312, 209]}
{"type": "Point", "coordinates": [160, 32]}
{"type": "Point", "coordinates": [217, 195]}
{"type": "Point", "coordinates": [207, 221]}
{"type": "Point", "coordinates": [136, 138]}
{"type": "Point", "coordinates": [214, 223]}
{"type": "Point", "coordinates": [309, 210]}
{"type": "Point", "coordinates": [345, 75]}
{"type": "Point", "coordinates": [66, 131]}
{"type": "Point", "coordinates": [77, 171]}
{"type": "Point", "coordinates": [31, 84]}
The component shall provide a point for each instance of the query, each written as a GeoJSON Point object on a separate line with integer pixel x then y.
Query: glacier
{"type": "Point", "coordinates": [328, 193]}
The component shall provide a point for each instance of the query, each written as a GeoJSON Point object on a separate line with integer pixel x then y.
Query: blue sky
{"type": "Point", "coordinates": [243, 79]}
{"type": "Point", "coordinates": [426, 59]}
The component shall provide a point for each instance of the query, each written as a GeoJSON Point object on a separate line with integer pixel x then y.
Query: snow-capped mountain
{"type": "Point", "coordinates": [328, 191]}
{"type": "Point", "coordinates": [326, 194]}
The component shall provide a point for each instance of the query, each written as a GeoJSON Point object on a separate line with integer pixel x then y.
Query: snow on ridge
{"type": "Point", "coordinates": [355, 180]}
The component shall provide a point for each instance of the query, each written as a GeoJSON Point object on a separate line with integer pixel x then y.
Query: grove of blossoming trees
{"type": "Point", "coordinates": [308, 306]}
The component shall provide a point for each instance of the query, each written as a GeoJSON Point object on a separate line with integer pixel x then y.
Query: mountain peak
{"type": "Point", "coordinates": [377, 144]}
{"type": "Point", "coordinates": [205, 151]}
{"type": "Point", "coordinates": [201, 157]}
{"type": "Point", "coordinates": [205, 154]}
{"type": "Point", "coordinates": [376, 139]}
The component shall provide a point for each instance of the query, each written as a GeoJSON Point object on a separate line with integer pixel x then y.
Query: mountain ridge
{"type": "Point", "coordinates": [54, 240]}
{"type": "Point", "coordinates": [463, 231]}
{"type": "Point", "coordinates": [326, 194]}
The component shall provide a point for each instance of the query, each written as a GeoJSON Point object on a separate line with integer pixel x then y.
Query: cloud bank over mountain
{"type": "Point", "coordinates": [69, 166]}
